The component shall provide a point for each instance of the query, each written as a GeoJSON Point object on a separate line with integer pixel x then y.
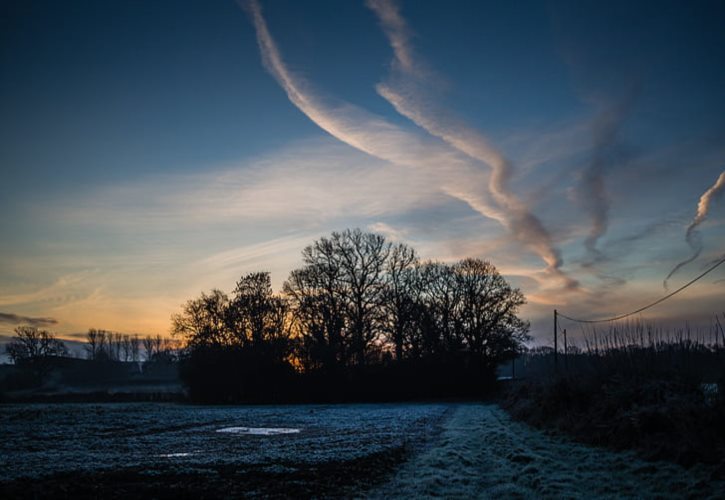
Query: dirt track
{"type": "Point", "coordinates": [482, 453]}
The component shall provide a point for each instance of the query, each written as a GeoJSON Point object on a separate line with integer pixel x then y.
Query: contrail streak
{"type": "Point", "coordinates": [372, 134]}
{"type": "Point", "coordinates": [593, 192]}
{"type": "Point", "coordinates": [692, 236]}
{"type": "Point", "coordinates": [405, 91]}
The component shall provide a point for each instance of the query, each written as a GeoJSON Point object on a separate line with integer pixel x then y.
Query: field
{"type": "Point", "coordinates": [399, 450]}
{"type": "Point", "coordinates": [86, 449]}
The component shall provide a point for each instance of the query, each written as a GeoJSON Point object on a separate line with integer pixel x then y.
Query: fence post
{"type": "Point", "coordinates": [556, 335]}
{"type": "Point", "coordinates": [566, 353]}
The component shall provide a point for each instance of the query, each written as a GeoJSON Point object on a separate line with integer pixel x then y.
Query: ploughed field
{"type": "Point", "coordinates": [393, 450]}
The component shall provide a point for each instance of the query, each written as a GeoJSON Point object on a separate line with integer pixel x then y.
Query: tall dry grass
{"type": "Point", "coordinates": [632, 385]}
{"type": "Point", "coordinates": [636, 349]}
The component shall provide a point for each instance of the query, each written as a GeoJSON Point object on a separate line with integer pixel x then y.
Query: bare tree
{"type": "Point", "coordinates": [35, 348]}
{"type": "Point", "coordinates": [148, 346]}
{"type": "Point", "coordinates": [318, 302]}
{"type": "Point", "coordinates": [115, 346]}
{"type": "Point", "coordinates": [362, 259]}
{"type": "Point", "coordinates": [203, 322]}
{"type": "Point", "coordinates": [357, 299]}
{"type": "Point", "coordinates": [488, 320]}
{"type": "Point", "coordinates": [400, 295]}
{"type": "Point", "coordinates": [135, 347]}
{"type": "Point", "coordinates": [441, 296]}
{"type": "Point", "coordinates": [29, 343]}
{"type": "Point", "coordinates": [125, 347]}
{"type": "Point", "coordinates": [255, 314]}
{"type": "Point", "coordinates": [164, 349]}
{"type": "Point", "coordinates": [95, 340]}
{"type": "Point", "coordinates": [111, 346]}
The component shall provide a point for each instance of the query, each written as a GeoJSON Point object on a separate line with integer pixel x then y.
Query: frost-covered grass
{"type": "Point", "coordinates": [482, 453]}
{"type": "Point", "coordinates": [43, 439]}
{"type": "Point", "coordinates": [400, 450]}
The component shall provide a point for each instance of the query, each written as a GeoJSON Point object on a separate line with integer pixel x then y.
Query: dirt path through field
{"type": "Point", "coordinates": [482, 453]}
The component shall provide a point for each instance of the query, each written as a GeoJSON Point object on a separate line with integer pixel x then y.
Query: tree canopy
{"type": "Point", "coordinates": [360, 301]}
{"type": "Point", "coordinates": [32, 344]}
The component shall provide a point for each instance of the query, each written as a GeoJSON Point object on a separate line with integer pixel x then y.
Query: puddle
{"type": "Point", "coordinates": [259, 431]}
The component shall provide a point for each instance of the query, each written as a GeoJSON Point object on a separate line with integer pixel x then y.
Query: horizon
{"type": "Point", "coordinates": [152, 152]}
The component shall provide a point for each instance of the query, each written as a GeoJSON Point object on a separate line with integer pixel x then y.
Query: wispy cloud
{"type": "Point", "coordinates": [453, 168]}
{"type": "Point", "coordinates": [16, 319]}
{"type": "Point", "coordinates": [374, 135]}
{"type": "Point", "coordinates": [399, 34]}
{"type": "Point", "coordinates": [177, 236]}
{"type": "Point", "coordinates": [313, 180]}
{"type": "Point", "coordinates": [592, 193]}
{"type": "Point", "coordinates": [390, 232]}
{"type": "Point", "coordinates": [692, 236]}
{"type": "Point", "coordinates": [250, 253]}
{"type": "Point", "coordinates": [408, 91]}
{"type": "Point", "coordinates": [66, 288]}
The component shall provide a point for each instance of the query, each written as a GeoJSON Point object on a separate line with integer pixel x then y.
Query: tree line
{"type": "Point", "coordinates": [362, 314]}
{"type": "Point", "coordinates": [38, 352]}
{"type": "Point", "coordinates": [362, 318]}
{"type": "Point", "coordinates": [104, 345]}
{"type": "Point", "coordinates": [33, 345]}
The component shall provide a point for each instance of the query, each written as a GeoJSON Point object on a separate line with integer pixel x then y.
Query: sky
{"type": "Point", "coordinates": [150, 151]}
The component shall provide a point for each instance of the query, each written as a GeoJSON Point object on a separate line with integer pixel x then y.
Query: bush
{"type": "Point", "coordinates": [234, 374]}
{"type": "Point", "coordinates": [654, 403]}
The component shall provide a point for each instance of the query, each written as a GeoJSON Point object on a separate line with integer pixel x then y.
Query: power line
{"type": "Point", "coordinates": [662, 299]}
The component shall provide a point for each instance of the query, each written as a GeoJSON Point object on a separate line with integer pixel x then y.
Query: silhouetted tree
{"type": "Point", "coordinates": [318, 304]}
{"type": "Point", "coordinates": [357, 302]}
{"type": "Point", "coordinates": [238, 347]}
{"type": "Point", "coordinates": [29, 343]}
{"type": "Point", "coordinates": [441, 298]}
{"type": "Point", "coordinates": [400, 296]}
{"type": "Point", "coordinates": [487, 314]}
{"type": "Point", "coordinates": [255, 315]}
{"type": "Point", "coordinates": [135, 348]}
{"type": "Point", "coordinates": [34, 348]}
{"type": "Point", "coordinates": [95, 344]}
{"type": "Point", "coordinates": [163, 350]}
{"type": "Point", "coordinates": [204, 322]}
{"type": "Point", "coordinates": [102, 345]}
{"type": "Point", "coordinates": [362, 258]}
{"type": "Point", "coordinates": [114, 343]}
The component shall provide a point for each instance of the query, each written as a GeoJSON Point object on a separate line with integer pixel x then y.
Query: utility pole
{"type": "Point", "coordinates": [556, 335]}
{"type": "Point", "coordinates": [566, 354]}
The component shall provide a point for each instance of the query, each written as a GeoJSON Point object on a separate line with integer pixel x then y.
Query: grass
{"type": "Point", "coordinates": [282, 480]}
{"type": "Point", "coordinates": [633, 386]}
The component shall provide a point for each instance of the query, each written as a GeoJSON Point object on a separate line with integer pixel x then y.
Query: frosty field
{"type": "Point", "coordinates": [399, 450]}
{"type": "Point", "coordinates": [43, 439]}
